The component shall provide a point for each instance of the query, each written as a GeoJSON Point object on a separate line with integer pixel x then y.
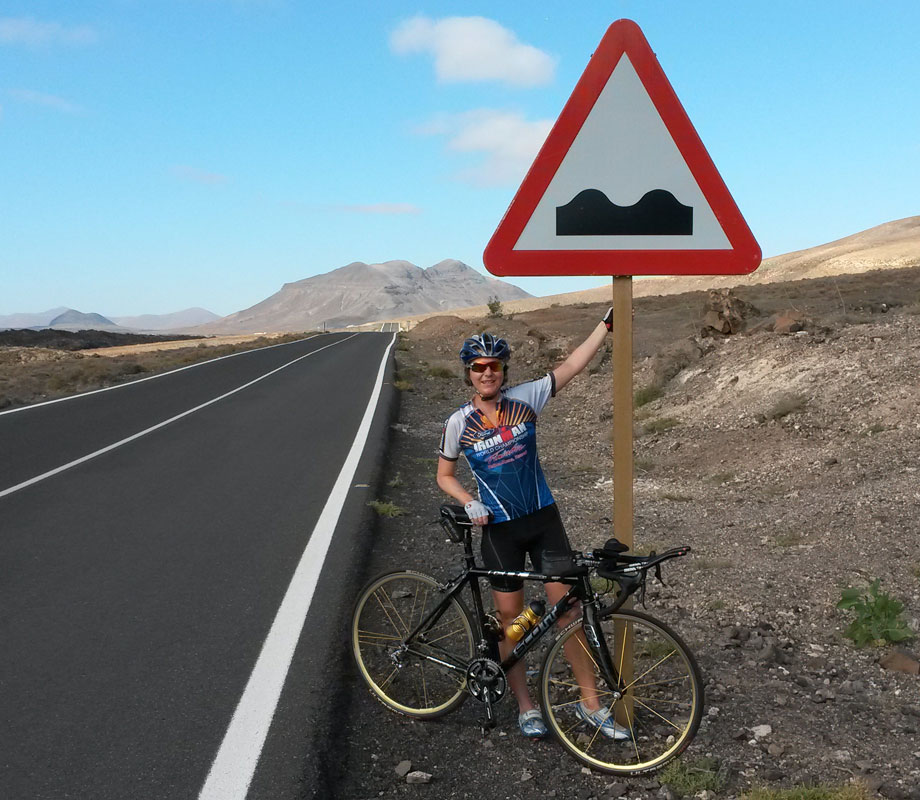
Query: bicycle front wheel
{"type": "Point", "coordinates": [660, 700]}
{"type": "Point", "coordinates": [424, 676]}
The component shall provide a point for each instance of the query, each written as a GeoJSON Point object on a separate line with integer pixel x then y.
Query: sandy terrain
{"type": "Point", "coordinates": [211, 341]}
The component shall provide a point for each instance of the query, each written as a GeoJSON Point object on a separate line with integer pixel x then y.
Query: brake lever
{"type": "Point", "coordinates": [658, 575]}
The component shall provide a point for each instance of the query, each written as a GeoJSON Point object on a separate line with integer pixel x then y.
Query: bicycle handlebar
{"type": "Point", "coordinates": [644, 563]}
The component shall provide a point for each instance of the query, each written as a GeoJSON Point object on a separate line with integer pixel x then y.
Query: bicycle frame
{"type": "Point", "coordinates": [487, 642]}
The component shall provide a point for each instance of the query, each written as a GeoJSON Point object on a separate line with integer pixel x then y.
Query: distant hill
{"type": "Point", "coordinates": [64, 318]}
{"type": "Point", "coordinates": [40, 319]}
{"type": "Point", "coordinates": [76, 320]}
{"type": "Point", "coordinates": [892, 245]}
{"type": "Point", "coordinates": [358, 293]}
{"type": "Point", "coordinates": [164, 322]}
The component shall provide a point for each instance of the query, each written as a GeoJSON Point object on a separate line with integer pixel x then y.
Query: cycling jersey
{"type": "Point", "coordinates": [502, 454]}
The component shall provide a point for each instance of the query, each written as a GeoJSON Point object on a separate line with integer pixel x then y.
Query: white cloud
{"type": "Point", "coordinates": [46, 100]}
{"type": "Point", "coordinates": [33, 32]}
{"type": "Point", "coordinates": [196, 175]}
{"type": "Point", "coordinates": [474, 49]}
{"type": "Point", "coordinates": [383, 208]}
{"type": "Point", "coordinates": [507, 140]}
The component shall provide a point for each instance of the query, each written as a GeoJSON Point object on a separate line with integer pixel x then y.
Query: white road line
{"type": "Point", "coordinates": [236, 760]}
{"type": "Point", "coordinates": [138, 435]}
{"type": "Point", "coordinates": [148, 378]}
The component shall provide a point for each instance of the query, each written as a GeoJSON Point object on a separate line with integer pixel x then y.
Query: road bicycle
{"type": "Point", "coordinates": [422, 652]}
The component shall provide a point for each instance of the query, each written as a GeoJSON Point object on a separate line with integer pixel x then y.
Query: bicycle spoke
{"type": "Point", "coordinates": [370, 636]}
{"type": "Point", "coordinates": [683, 703]}
{"type": "Point", "coordinates": [639, 677]}
{"type": "Point", "coordinates": [662, 682]}
{"type": "Point", "coordinates": [386, 610]}
{"type": "Point", "coordinates": [597, 693]}
{"type": "Point", "coordinates": [662, 718]}
{"type": "Point", "coordinates": [388, 678]}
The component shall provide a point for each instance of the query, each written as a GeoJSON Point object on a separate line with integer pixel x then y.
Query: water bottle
{"type": "Point", "coordinates": [524, 621]}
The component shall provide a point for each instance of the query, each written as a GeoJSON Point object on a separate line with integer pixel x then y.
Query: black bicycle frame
{"type": "Point", "coordinates": [487, 645]}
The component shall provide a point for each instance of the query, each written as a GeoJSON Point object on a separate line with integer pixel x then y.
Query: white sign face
{"type": "Point", "coordinates": [623, 185]}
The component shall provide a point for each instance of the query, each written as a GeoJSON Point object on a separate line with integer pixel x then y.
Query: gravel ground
{"type": "Point", "coordinates": [787, 461]}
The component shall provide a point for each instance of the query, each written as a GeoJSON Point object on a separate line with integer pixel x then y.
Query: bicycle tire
{"type": "Point", "coordinates": [397, 672]}
{"type": "Point", "coordinates": [662, 702]}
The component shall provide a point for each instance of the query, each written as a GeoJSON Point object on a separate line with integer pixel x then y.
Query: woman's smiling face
{"type": "Point", "coordinates": [488, 382]}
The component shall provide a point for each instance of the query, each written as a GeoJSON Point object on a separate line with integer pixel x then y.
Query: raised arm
{"type": "Point", "coordinates": [582, 355]}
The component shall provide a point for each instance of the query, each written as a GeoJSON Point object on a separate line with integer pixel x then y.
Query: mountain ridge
{"type": "Point", "coordinates": [357, 293]}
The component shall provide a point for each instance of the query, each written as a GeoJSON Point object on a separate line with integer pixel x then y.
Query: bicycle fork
{"type": "Point", "coordinates": [597, 643]}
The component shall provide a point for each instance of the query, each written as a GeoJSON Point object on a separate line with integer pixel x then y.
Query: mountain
{"type": "Point", "coordinates": [40, 319]}
{"type": "Point", "coordinates": [163, 322]}
{"type": "Point", "coordinates": [359, 293]}
{"type": "Point", "coordinates": [77, 320]}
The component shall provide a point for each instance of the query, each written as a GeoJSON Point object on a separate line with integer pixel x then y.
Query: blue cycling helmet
{"type": "Point", "coordinates": [484, 345]}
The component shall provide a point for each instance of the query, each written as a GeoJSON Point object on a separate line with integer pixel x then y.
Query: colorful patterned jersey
{"type": "Point", "coordinates": [503, 458]}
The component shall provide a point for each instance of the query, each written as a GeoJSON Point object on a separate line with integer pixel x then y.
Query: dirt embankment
{"type": "Point", "coordinates": [787, 455]}
{"type": "Point", "coordinates": [43, 365]}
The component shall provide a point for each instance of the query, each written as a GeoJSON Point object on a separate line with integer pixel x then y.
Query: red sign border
{"type": "Point", "coordinates": [500, 257]}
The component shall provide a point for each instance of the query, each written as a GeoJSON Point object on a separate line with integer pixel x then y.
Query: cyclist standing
{"type": "Point", "coordinates": [496, 433]}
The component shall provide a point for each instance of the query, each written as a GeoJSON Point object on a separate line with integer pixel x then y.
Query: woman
{"type": "Point", "coordinates": [496, 433]}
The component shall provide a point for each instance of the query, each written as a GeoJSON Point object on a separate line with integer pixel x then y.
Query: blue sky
{"type": "Point", "coordinates": [161, 154]}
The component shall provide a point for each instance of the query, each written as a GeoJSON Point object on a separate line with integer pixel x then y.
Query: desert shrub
{"type": "Point", "coordinates": [384, 508]}
{"type": "Point", "coordinates": [787, 404]}
{"type": "Point", "coordinates": [675, 497]}
{"type": "Point", "coordinates": [878, 616]}
{"type": "Point", "coordinates": [660, 425]}
{"type": "Point", "coordinates": [403, 386]}
{"type": "Point", "coordinates": [689, 778]}
{"type": "Point", "coordinates": [441, 372]}
{"type": "Point", "coordinates": [643, 465]}
{"type": "Point", "coordinates": [495, 307]}
{"type": "Point", "coordinates": [132, 368]}
{"type": "Point", "coordinates": [646, 394]}
{"type": "Point", "coordinates": [852, 791]}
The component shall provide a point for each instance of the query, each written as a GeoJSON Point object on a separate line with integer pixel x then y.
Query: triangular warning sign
{"type": "Point", "coordinates": [623, 184]}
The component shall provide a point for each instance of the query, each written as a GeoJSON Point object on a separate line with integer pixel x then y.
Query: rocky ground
{"type": "Point", "coordinates": [785, 454]}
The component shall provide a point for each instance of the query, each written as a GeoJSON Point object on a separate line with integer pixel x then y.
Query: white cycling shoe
{"type": "Point", "coordinates": [603, 719]}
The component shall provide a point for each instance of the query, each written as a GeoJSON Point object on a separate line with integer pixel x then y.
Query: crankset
{"type": "Point", "coordinates": [486, 681]}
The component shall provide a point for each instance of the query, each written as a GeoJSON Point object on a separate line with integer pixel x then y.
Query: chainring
{"type": "Point", "coordinates": [486, 681]}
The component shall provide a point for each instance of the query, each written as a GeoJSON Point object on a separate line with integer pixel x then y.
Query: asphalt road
{"type": "Point", "coordinates": [137, 587]}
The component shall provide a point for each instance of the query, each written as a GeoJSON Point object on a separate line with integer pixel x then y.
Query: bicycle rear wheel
{"type": "Point", "coordinates": [662, 693]}
{"type": "Point", "coordinates": [424, 677]}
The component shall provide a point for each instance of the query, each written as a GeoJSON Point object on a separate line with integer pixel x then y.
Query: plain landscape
{"type": "Point", "coordinates": [786, 454]}
{"type": "Point", "coordinates": [777, 432]}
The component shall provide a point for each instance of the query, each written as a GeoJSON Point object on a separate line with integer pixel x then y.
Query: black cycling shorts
{"type": "Point", "coordinates": [504, 544]}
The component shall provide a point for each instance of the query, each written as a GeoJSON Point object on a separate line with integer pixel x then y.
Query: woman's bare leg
{"type": "Point", "coordinates": [509, 605]}
{"type": "Point", "coordinates": [576, 649]}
